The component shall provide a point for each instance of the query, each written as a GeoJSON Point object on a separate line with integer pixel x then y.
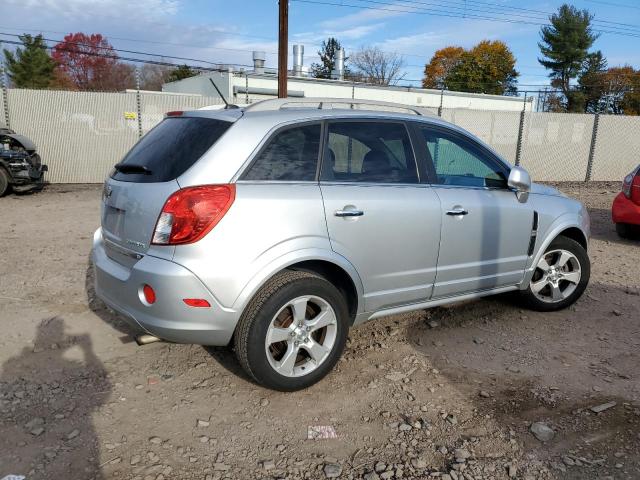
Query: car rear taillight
{"type": "Point", "coordinates": [189, 214]}
{"type": "Point", "coordinates": [626, 185]}
{"type": "Point", "coordinates": [631, 186]}
{"type": "Point", "coordinates": [635, 189]}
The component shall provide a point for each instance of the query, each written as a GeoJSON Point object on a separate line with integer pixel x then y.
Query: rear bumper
{"type": "Point", "coordinates": [624, 210]}
{"type": "Point", "coordinates": [169, 317]}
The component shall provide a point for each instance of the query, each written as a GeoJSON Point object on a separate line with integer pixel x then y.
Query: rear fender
{"type": "Point", "coordinates": [291, 258]}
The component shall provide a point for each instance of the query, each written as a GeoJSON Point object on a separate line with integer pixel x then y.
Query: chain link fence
{"type": "Point", "coordinates": [617, 147]}
{"type": "Point", "coordinates": [80, 135]}
{"type": "Point", "coordinates": [558, 147]}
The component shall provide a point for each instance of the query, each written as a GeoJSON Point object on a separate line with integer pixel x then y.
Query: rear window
{"type": "Point", "coordinates": [169, 149]}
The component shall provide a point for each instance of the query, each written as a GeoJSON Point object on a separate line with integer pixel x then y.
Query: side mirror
{"type": "Point", "coordinates": [520, 181]}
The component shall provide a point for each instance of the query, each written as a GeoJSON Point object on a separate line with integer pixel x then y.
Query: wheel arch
{"type": "Point", "coordinates": [335, 268]}
{"type": "Point", "coordinates": [337, 276]}
{"type": "Point", "coordinates": [570, 226]}
{"type": "Point", "coordinates": [574, 233]}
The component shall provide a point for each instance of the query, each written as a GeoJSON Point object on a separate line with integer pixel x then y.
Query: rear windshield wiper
{"type": "Point", "coordinates": [131, 168]}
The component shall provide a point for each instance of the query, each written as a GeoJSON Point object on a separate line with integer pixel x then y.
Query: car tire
{"type": "Point", "coordinates": [563, 282]}
{"type": "Point", "coordinates": [627, 231]}
{"type": "Point", "coordinates": [276, 340]}
{"type": "Point", "coordinates": [5, 187]}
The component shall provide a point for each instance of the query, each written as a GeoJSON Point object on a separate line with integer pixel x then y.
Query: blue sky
{"type": "Point", "coordinates": [227, 32]}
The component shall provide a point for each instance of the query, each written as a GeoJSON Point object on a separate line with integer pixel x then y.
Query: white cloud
{"type": "Point", "coordinates": [98, 8]}
{"type": "Point", "coordinates": [140, 25]}
{"type": "Point", "coordinates": [466, 35]}
{"type": "Point", "coordinates": [358, 18]}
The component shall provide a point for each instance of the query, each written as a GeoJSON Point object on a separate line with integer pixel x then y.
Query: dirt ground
{"type": "Point", "coordinates": [448, 393]}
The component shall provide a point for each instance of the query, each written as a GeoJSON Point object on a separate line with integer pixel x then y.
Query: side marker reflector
{"type": "Point", "coordinates": [149, 294]}
{"type": "Point", "coordinates": [197, 302]}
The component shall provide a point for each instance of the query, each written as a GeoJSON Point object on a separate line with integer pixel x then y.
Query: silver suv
{"type": "Point", "coordinates": [279, 226]}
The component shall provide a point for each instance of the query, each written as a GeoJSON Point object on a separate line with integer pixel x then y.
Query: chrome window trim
{"type": "Point", "coordinates": [276, 182]}
{"type": "Point", "coordinates": [370, 184]}
{"type": "Point", "coordinates": [470, 187]}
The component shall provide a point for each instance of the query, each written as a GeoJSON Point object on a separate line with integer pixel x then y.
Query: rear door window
{"type": "Point", "coordinates": [368, 152]}
{"type": "Point", "coordinates": [290, 155]}
{"type": "Point", "coordinates": [169, 149]}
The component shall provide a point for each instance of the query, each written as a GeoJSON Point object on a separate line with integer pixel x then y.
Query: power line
{"type": "Point", "coordinates": [108, 49]}
{"type": "Point", "coordinates": [126, 59]}
{"type": "Point", "coordinates": [613, 4]}
{"type": "Point", "coordinates": [389, 7]}
{"type": "Point", "coordinates": [500, 10]}
{"type": "Point", "coordinates": [157, 42]}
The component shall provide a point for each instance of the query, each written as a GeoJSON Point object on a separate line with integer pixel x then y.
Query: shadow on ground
{"type": "Point", "coordinates": [47, 431]}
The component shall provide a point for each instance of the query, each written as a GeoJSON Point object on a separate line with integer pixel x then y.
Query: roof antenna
{"type": "Point", "coordinates": [227, 105]}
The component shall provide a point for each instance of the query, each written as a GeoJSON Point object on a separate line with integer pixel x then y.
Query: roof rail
{"type": "Point", "coordinates": [328, 103]}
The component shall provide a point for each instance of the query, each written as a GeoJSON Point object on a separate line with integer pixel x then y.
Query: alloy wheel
{"type": "Point", "coordinates": [301, 336]}
{"type": "Point", "coordinates": [556, 277]}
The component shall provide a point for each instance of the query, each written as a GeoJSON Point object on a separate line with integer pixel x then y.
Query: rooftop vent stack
{"type": "Point", "coordinates": [298, 60]}
{"type": "Point", "coordinates": [338, 71]}
{"type": "Point", "coordinates": [258, 61]}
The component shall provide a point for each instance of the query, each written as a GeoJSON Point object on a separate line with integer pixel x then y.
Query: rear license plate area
{"type": "Point", "coordinates": [113, 221]}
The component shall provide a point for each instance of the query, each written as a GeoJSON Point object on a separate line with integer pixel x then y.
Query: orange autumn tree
{"type": "Point", "coordinates": [621, 87]}
{"type": "Point", "coordinates": [440, 66]}
{"type": "Point", "coordinates": [489, 67]}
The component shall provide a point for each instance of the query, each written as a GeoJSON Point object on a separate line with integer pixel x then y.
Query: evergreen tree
{"type": "Point", "coordinates": [565, 47]}
{"type": "Point", "coordinates": [327, 53]}
{"type": "Point", "coordinates": [180, 73]}
{"type": "Point", "coordinates": [30, 66]}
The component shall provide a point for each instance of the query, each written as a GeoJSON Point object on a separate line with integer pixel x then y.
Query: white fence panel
{"type": "Point", "coordinates": [155, 106]}
{"type": "Point", "coordinates": [2, 111]}
{"type": "Point", "coordinates": [555, 146]}
{"type": "Point", "coordinates": [617, 147]}
{"type": "Point", "coordinates": [498, 129]}
{"type": "Point", "coordinates": [79, 135]}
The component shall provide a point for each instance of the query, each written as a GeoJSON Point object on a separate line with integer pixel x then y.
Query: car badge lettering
{"type": "Point", "coordinates": [135, 244]}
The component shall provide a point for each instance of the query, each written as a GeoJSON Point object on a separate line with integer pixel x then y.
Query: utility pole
{"type": "Point", "coordinates": [283, 47]}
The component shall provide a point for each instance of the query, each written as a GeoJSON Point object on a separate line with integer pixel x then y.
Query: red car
{"type": "Point", "coordinates": [626, 206]}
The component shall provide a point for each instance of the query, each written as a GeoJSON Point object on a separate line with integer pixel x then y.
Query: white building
{"type": "Point", "coordinates": [260, 84]}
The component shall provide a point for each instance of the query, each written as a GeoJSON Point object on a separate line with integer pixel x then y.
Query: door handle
{"type": "Point", "coordinates": [457, 211]}
{"type": "Point", "coordinates": [349, 213]}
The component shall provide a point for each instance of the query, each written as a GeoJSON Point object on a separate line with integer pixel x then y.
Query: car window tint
{"type": "Point", "coordinates": [459, 162]}
{"type": "Point", "coordinates": [378, 152]}
{"type": "Point", "coordinates": [170, 148]}
{"type": "Point", "coordinates": [291, 155]}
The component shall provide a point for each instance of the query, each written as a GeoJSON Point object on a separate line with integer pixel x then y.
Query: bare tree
{"type": "Point", "coordinates": [153, 76]}
{"type": "Point", "coordinates": [378, 67]}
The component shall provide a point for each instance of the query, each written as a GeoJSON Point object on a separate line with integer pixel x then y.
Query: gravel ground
{"type": "Point", "coordinates": [449, 393]}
